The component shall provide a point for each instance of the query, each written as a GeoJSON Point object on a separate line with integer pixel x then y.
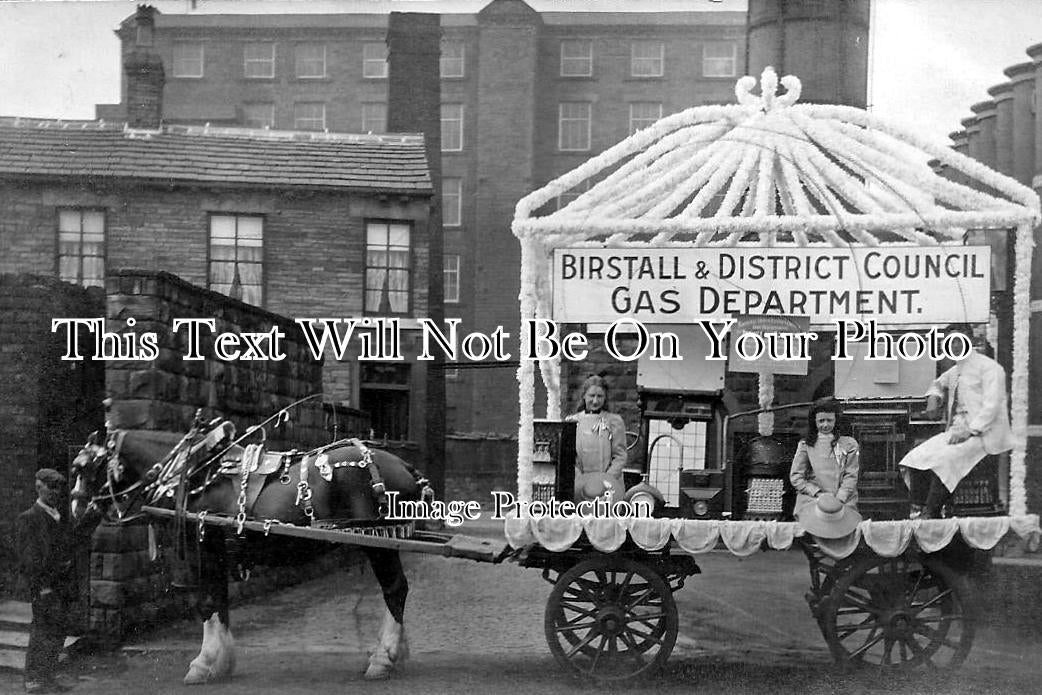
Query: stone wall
{"type": "Point", "coordinates": [46, 405]}
{"type": "Point", "coordinates": [163, 394]}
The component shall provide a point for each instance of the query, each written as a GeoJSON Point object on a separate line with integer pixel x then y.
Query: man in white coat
{"type": "Point", "coordinates": [978, 425]}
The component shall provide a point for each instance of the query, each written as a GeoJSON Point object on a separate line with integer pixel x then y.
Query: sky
{"type": "Point", "coordinates": [930, 59]}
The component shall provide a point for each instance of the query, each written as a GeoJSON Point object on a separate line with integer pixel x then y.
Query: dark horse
{"type": "Point", "coordinates": [209, 470]}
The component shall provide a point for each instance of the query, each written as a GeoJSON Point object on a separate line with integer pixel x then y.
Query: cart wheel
{"type": "Point", "coordinates": [899, 613]}
{"type": "Point", "coordinates": [611, 619]}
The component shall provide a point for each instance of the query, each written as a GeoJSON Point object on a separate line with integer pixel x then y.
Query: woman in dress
{"type": "Point", "coordinates": [824, 462]}
{"type": "Point", "coordinates": [600, 437]}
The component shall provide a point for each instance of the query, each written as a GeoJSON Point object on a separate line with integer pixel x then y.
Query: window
{"type": "Point", "coordinates": [719, 59]}
{"type": "Point", "coordinates": [573, 133]}
{"type": "Point", "coordinates": [384, 394]}
{"type": "Point", "coordinates": [81, 246]}
{"type": "Point", "coordinates": [451, 127]}
{"type": "Point", "coordinates": [236, 257]}
{"type": "Point", "coordinates": [374, 60]}
{"type": "Point", "coordinates": [374, 117]}
{"type": "Point", "coordinates": [451, 201]}
{"type": "Point", "coordinates": [452, 59]}
{"type": "Point", "coordinates": [258, 115]}
{"type": "Point", "coordinates": [646, 58]}
{"type": "Point", "coordinates": [311, 60]}
{"type": "Point", "coordinates": [188, 59]}
{"type": "Point", "coordinates": [643, 114]}
{"type": "Point", "coordinates": [576, 58]}
{"type": "Point", "coordinates": [258, 60]}
{"type": "Point", "coordinates": [450, 264]}
{"type": "Point", "coordinates": [309, 115]}
{"type": "Point", "coordinates": [387, 268]}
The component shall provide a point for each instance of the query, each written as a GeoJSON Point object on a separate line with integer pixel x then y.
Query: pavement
{"type": "Point", "coordinates": [478, 628]}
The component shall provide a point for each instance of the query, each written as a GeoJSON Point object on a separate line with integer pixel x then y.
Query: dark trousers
{"type": "Point", "coordinates": [928, 492]}
{"type": "Point", "coordinates": [46, 637]}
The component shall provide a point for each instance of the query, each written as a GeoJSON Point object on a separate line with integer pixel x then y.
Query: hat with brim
{"type": "Point", "coordinates": [590, 486]}
{"type": "Point", "coordinates": [829, 518]}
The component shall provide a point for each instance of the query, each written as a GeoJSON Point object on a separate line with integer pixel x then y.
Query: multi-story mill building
{"type": "Point", "coordinates": [528, 92]}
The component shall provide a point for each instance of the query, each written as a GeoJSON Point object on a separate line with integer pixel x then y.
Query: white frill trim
{"type": "Point", "coordinates": [888, 538]}
{"type": "Point", "coordinates": [742, 538]}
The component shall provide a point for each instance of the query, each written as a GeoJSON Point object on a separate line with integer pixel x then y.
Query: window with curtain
{"type": "Point", "coordinates": [237, 256]}
{"type": "Point", "coordinates": [81, 246]}
{"type": "Point", "coordinates": [388, 265]}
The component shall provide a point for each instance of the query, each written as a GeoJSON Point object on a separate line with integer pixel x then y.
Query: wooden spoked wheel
{"type": "Point", "coordinates": [611, 619]}
{"type": "Point", "coordinates": [899, 613]}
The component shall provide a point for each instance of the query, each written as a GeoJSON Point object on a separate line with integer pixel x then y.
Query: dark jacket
{"type": "Point", "coordinates": [45, 550]}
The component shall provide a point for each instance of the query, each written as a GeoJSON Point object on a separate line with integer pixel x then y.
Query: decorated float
{"type": "Point", "coordinates": [655, 230]}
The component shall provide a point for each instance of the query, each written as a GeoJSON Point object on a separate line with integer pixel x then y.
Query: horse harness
{"type": "Point", "coordinates": [256, 466]}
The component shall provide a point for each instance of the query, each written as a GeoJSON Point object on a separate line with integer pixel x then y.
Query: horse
{"type": "Point", "coordinates": [210, 471]}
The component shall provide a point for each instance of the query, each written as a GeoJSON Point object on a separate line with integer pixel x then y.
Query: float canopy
{"type": "Point", "coordinates": [768, 172]}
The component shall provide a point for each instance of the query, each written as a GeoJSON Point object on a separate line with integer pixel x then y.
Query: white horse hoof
{"type": "Point", "coordinates": [198, 675]}
{"type": "Point", "coordinates": [377, 673]}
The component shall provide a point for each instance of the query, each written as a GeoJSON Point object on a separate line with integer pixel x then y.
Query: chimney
{"type": "Point", "coordinates": [143, 69]}
{"type": "Point", "coordinates": [414, 106]}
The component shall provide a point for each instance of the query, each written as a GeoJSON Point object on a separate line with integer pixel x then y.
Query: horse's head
{"type": "Point", "coordinates": [121, 469]}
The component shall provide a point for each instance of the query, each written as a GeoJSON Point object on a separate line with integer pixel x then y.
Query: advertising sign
{"type": "Point", "coordinates": [891, 285]}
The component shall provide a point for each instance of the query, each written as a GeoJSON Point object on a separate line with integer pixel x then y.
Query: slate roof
{"type": "Point", "coordinates": [237, 157]}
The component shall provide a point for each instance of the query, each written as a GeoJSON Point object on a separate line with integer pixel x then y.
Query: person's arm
{"type": "Point", "coordinates": [798, 472]}
{"type": "Point", "coordinates": [31, 556]}
{"type": "Point", "coordinates": [993, 397]}
{"type": "Point", "coordinates": [850, 470]}
{"type": "Point", "coordinates": [619, 454]}
{"type": "Point", "coordinates": [936, 393]}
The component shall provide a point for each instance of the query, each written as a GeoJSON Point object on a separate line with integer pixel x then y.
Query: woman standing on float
{"type": "Point", "coordinates": [600, 436]}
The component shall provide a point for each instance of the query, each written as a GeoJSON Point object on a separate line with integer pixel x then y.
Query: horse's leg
{"type": "Point", "coordinates": [393, 647]}
{"type": "Point", "coordinates": [216, 657]}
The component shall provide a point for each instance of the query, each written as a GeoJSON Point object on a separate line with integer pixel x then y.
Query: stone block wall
{"type": "Point", "coordinates": [46, 405]}
{"type": "Point", "coordinates": [163, 394]}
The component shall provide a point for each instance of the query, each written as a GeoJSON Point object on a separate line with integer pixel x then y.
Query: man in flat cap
{"type": "Point", "coordinates": [44, 540]}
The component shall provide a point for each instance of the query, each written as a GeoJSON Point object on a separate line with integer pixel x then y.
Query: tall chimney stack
{"type": "Point", "coordinates": [414, 106]}
{"type": "Point", "coordinates": [825, 44]}
{"type": "Point", "coordinates": [144, 74]}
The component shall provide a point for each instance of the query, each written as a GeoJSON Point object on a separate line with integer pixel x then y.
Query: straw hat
{"type": "Point", "coordinates": [589, 486]}
{"type": "Point", "coordinates": [829, 518]}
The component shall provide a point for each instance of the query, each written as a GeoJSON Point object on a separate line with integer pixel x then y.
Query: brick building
{"type": "Point", "coordinates": [1005, 133]}
{"type": "Point", "coordinates": [528, 91]}
{"type": "Point", "coordinates": [241, 212]}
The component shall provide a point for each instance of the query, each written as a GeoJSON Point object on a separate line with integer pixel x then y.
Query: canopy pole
{"type": "Point", "coordinates": [1020, 377]}
{"type": "Point", "coordinates": [526, 372]}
